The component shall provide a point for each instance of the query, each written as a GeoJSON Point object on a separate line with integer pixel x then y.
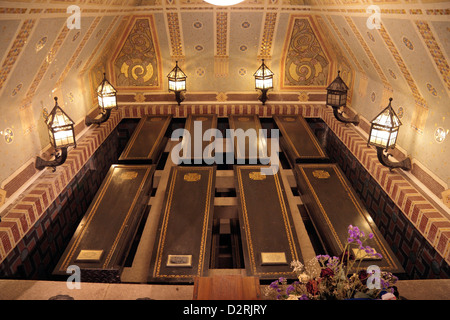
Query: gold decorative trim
{"type": "Point", "coordinates": [257, 175]}
{"type": "Point", "coordinates": [321, 174]}
{"type": "Point", "coordinates": [192, 177]}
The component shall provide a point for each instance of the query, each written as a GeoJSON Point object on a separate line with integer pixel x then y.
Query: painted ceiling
{"type": "Point", "coordinates": [305, 43]}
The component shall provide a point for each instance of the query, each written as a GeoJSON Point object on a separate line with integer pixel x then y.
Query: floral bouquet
{"type": "Point", "coordinates": [337, 278]}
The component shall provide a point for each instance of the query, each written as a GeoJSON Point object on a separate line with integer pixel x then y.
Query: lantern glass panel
{"type": "Point", "coordinates": [63, 137]}
{"type": "Point", "coordinates": [177, 85]}
{"type": "Point", "coordinates": [107, 101]}
{"type": "Point", "coordinates": [262, 84]}
{"type": "Point", "coordinates": [383, 137]}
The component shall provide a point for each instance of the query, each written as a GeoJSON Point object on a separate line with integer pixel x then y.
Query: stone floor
{"type": "Point", "coordinates": [44, 290]}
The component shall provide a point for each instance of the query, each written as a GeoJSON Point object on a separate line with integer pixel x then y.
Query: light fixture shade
{"type": "Point", "coordinates": [384, 128]}
{"type": "Point", "coordinates": [337, 92]}
{"type": "Point", "coordinates": [263, 77]}
{"type": "Point", "coordinates": [224, 2]}
{"type": "Point", "coordinates": [107, 95]}
{"type": "Point", "coordinates": [60, 128]}
{"type": "Point", "coordinates": [177, 79]}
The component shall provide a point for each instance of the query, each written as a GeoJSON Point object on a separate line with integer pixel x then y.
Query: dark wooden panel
{"type": "Point", "coordinates": [266, 223]}
{"type": "Point", "coordinates": [245, 150]}
{"type": "Point", "coordinates": [207, 121]}
{"type": "Point", "coordinates": [104, 236]}
{"type": "Point", "coordinates": [333, 205]}
{"type": "Point", "coordinates": [184, 229]}
{"type": "Point", "coordinates": [298, 140]}
{"type": "Point", "coordinates": [147, 142]}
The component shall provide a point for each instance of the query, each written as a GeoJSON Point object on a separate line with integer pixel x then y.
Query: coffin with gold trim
{"type": "Point", "coordinates": [102, 240]}
{"type": "Point", "coordinates": [250, 144]}
{"type": "Point", "coordinates": [198, 141]}
{"type": "Point", "coordinates": [183, 244]}
{"type": "Point", "coordinates": [333, 205]}
{"type": "Point", "coordinates": [298, 140]}
{"type": "Point", "coordinates": [268, 235]}
{"type": "Point", "coordinates": [147, 141]}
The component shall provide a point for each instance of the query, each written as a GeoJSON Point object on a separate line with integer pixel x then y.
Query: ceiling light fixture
{"type": "Point", "coordinates": [224, 2]}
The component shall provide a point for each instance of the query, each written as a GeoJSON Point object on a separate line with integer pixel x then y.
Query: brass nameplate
{"type": "Point", "coordinates": [273, 258]}
{"type": "Point", "coordinates": [289, 119]}
{"type": "Point", "coordinates": [192, 177]}
{"type": "Point", "coordinates": [243, 119]}
{"type": "Point", "coordinates": [155, 119]}
{"type": "Point", "coordinates": [89, 255]}
{"type": "Point", "coordinates": [130, 175]}
{"type": "Point", "coordinates": [257, 175]}
{"type": "Point", "coordinates": [321, 174]}
{"type": "Point", "coordinates": [363, 255]}
{"type": "Point", "coordinates": [176, 260]}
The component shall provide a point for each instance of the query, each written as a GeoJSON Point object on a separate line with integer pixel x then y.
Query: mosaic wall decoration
{"type": "Point", "coordinates": [435, 51]}
{"type": "Point", "coordinates": [138, 62]}
{"type": "Point", "coordinates": [305, 63]}
{"type": "Point", "coordinates": [265, 50]}
{"type": "Point", "coordinates": [176, 46]}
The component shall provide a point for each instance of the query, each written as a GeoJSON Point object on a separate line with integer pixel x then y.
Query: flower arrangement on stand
{"type": "Point", "coordinates": [337, 278]}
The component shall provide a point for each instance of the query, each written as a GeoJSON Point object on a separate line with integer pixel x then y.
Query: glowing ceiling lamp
{"type": "Point", "coordinates": [224, 2]}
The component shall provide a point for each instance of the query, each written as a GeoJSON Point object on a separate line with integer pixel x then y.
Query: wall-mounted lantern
{"type": "Point", "coordinates": [61, 134]}
{"type": "Point", "coordinates": [337, 98]}
{"type": "Point", "coordinates": [177, 82]}
{"type": "Point", "coordinates": [107, 100]}
{"type": "Point", "coordinates": [263, 81]}
{"type": "Point", "coordinates": [383, 135]}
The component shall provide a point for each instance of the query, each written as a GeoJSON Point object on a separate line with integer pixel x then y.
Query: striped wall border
{"type": "Point", "coordinates": [19, 219]}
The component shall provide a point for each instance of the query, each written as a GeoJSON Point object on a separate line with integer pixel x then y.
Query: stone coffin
{"type": "Point", "coordinates": [102, 240]}
{"type": "Point", "coordinates": [268, 235]}
{"type": "Point", "coordinates": [298, 141]}
{"type": "Point", "coordinates": [147, 141]}
{"type": "Point", "coordinates": [183, 244]}
{"type": "Point", "coordinates": [194, 140]}
{"type": "Point", "coordinates": [249, 151]}
{"type": "Point", "coordinates": [333, 205]}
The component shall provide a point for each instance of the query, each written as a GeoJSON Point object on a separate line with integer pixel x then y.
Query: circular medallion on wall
{"type": "Point", "coordinates": [400, 112]}
{"type": "Point", "coordinates": [373, 97]}
{"type": "Point", "coordinates": [8, 135]}
{"type": "Point", "coordinates": [197, 25]}
{"type": "Point", "coordinates": [242, 72]}
{"type": "Point", "coordinates": [199, 47]}
{"type": "Point", "coordinates": [245, 24]}
{"type": "Point", "coordinates": [408, 43]}
{"type": "Point", "coordinates": [45, 113]}
{"type": "Point", "coordinates": [200, 72]}
{"type": "Point", "coordinates": [243, 48]}
{"type": "Point", "coordinates": [440, 134]}
{"type": "Point", "coordinates": [431, 89]}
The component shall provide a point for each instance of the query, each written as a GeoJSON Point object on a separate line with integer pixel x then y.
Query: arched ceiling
{"type": "Point", "coordinates": [136, 42]}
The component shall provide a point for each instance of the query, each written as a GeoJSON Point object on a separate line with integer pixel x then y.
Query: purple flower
{"type": "Point", "coordinates": [303, 297]}
{"type": "Point", "coordinates": [290, 289]}
{"type": "Point", "coordinates": [274, 285]}
{"type": "Point", "coordinates": [370, 235]}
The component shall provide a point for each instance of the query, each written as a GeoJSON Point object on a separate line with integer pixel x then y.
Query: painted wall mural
{"type": "Point", "coordinates": [305, 63]}
{"type": "Point", "coordinates": [138, 61]}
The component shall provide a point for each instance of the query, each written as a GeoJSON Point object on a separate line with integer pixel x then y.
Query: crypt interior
{"type": "Point", "coordinates": [112, 193]}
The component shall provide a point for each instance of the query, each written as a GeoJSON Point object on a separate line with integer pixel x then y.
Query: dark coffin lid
{"type": "Point", "coordinates": [266, 223]}
{"type": "Point", "coordinates": [299, 140]}
{"type": "Point", "coordinates": [147, 140]}
{"type": "Point", "coordinates": [185, 225]}
{"type": "Point", "coordinates": [242, 147]}
{"type": "Point", "coordinates": [333, 205]}
{"type": "Point", "coordinates": [208, 121]}
{"type": "Point", "coordinates": [107, 229]}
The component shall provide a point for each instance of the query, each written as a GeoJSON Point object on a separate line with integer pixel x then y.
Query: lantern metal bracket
{"type": "Point", "coordinates": [60, 158]}
{"type": "Point", "coordinates": [263, 96]}
{"type": "Point", "coordinates": [338, 115]}
{"type": "Point", "coordinates": [105, 116]}
{"type": "Point", "coordinates": [384, 160]}
{"type": "Point", "coordinates": [179, 96]}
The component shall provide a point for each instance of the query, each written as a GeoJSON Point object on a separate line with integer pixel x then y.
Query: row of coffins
{"type": "Point", "coordinates": [183, 248]}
